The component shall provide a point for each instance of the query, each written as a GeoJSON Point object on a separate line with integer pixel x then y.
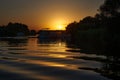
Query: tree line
{"type": "Point", "coordinates": [100, 35]}
{"type": "Point", "coordinates": [102, 29]}
{"type": "Point", "coordinates": [15, 29]}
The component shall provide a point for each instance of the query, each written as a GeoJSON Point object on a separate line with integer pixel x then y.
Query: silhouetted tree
{"type": "Point", "coordinates": [110, 15]}
{"type": "Point", "coordinates": [14, 29]}
{"type": "Point", "coordinates": [2, 31]}
{"type": "Point", "coordinates": [110, 8]}
{"type": "Point", "coordinates": [103, 28]}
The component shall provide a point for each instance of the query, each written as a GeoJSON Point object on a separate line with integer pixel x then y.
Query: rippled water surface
{"type": "Point", "coordinates": [35, 59]}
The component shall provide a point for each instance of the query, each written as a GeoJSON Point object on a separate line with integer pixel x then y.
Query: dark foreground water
{"type": "Point", "coordinates": [35, 59]}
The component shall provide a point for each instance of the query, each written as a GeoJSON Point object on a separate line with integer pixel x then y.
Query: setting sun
{"type": "Point", "coordinates": [58, 24]}
{"type": "Point", "coordinates": [60, 27]}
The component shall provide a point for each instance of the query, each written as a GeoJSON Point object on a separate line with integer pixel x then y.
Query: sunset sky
{"type": "Point", "coordinates": [40, 14]}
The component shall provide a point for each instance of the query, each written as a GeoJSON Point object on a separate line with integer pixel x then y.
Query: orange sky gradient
{"type": "Point", "coordinates": [41, 14]}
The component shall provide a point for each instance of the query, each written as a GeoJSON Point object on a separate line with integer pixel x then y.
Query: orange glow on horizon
{"type": "Point", "coordinates": [58, 24]}
{"type": "Point", "coordinates": [60, 27]}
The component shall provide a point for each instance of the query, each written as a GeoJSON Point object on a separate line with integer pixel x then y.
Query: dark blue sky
{"type": "Point", "coordinates": [46, 13]}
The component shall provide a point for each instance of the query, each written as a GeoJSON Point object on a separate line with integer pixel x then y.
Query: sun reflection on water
{"type": "Point", "coordinates": [58, 55]}
{"type": "Point", "coordinates": [46, 63]}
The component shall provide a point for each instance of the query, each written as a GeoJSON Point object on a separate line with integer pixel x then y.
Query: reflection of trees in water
{"type": "Point", "coordinates": [110, 64]}
{"type": "Point", "coordinates": [49, 41]}
{"type": "Point", "coordinates": [111, 67]}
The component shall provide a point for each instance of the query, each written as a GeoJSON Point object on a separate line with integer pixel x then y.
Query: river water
{"type": "Point", "coordinates": [34, 59]}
